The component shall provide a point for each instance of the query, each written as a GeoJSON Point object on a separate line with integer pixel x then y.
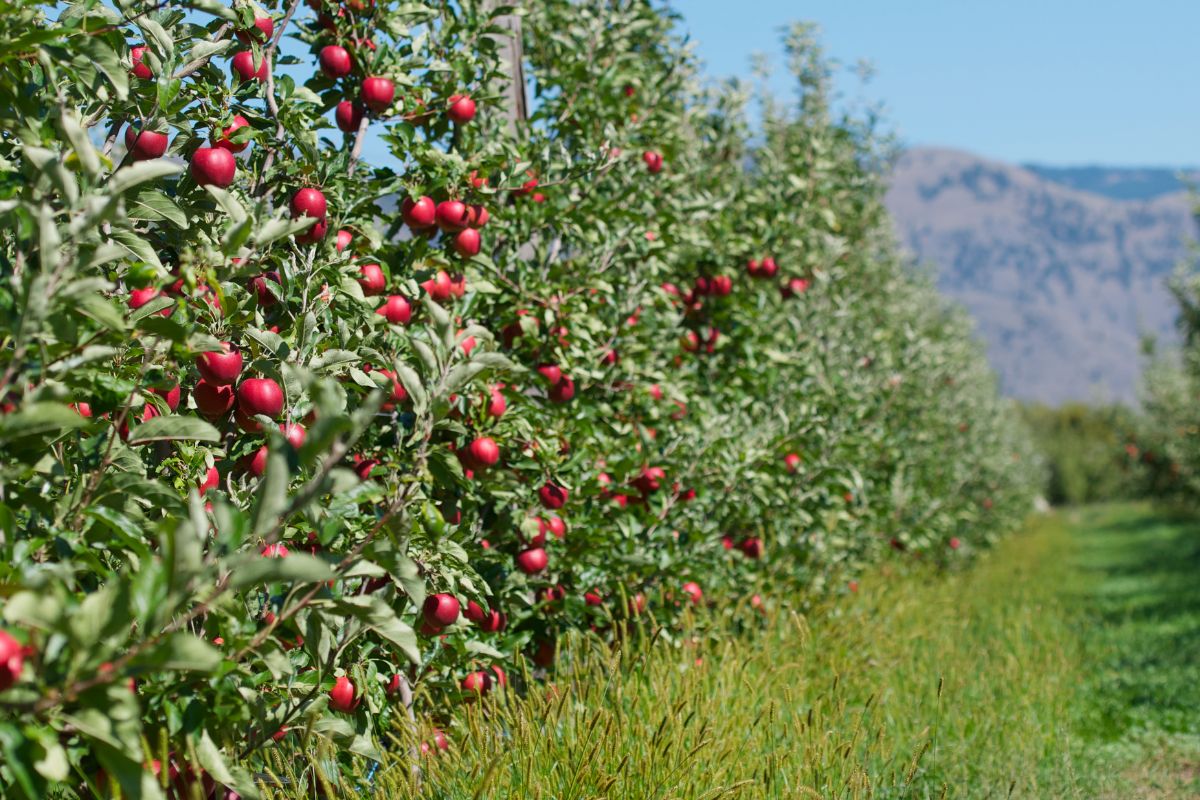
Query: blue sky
{"type": "Point", "coordinates": [1051, 81]}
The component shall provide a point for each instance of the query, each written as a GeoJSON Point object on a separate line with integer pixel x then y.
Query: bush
{"type": "Point", "coordinates": [653, 348]}
{"type": "Point", "coordinates": [1090, 452]}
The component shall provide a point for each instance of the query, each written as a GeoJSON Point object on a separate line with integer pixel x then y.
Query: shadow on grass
{"type": "Point", "coordinates": [1139, 593]}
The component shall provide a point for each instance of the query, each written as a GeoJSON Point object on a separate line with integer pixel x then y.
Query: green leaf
{"type": "Point", "coordinates": [271, 498]}
{"type": "Point", "coordinates": [141, 172]}
{"type": "Point", "coordinates": [180, 651]}
{"type": "Point", "coordinates": [381, 618]}
{"type": "Point", "coordinates": [171, 427]}
{"type": "Point", "coordinates": [152, 205]}
{"type": "Point", "coordinates": [253, 569]}
{"type": "Point", "coordinates": [39, 419]}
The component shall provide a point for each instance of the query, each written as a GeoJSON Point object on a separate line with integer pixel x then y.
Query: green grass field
{"type": "Point", "coordinates": [1064, 664]}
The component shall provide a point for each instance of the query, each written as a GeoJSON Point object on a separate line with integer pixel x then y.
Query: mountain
{"type": "Point", "coordinates": [1062, 277]}
{"type": "Point", "coordinates": [1120, 183]}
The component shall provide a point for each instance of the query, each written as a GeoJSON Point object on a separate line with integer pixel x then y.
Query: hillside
{"type": "Point", "coordinates": [1062, 281]}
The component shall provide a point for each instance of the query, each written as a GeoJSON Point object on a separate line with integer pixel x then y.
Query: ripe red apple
{"type": "Point", "coordinates": [477, 682]}
{"type": "Point", "coordinates": [552, 496]}
{"type": "Point", "coordinates": [220, 369]}
{"type": "Point", "coordinates": [144, 145]}
{"type": "Point", "coordinates": [751, 547]}
{"type": "Point", "coordinates": [650, 480]}
{"type": "Point", "coordinates": [720, 285]}
{"type": "Point", "coordinates": [484, 452]}
{"type": "Point", "coordinates": [768, 268]}
{"type": "Point", "coordinates": [245, 68]}
{"type": "Point", "coordinates": [452, 216]}
{"type": "Point", "coordinates": [475, 612]}
{"type": "Point", "coordinates": [562, 391]}
{"type": "Point", "coordinates": [213, 166]}
{"type": "Point", "coordinates": [378, 93]}
{"type": "Point", "coordinates": [348, 116]}
{"type": "Point", "coordinates": [439, 287]}
{"type": "Point", "coordinates": [395, 310]}
{"type": "Point", "coordinates": [955, 543]}
{"type": "Point", "coordinates": [556, 526]}
{"type": "Point", "coordinates": [12, 660]}
{"type": "Point", "coordinates": [497, 405]}
{"type": "Point", "coordinates": [551, 372]}
{"type": "Point", "coordinates": [223, 140]}
{"type": "Point", "coordinates": [654, 161]}
{"type": "Point", "coordinates": [419, 214]}
{"type": "Point", "coordinates": [315, 233]}
{"type": "Point", "coordinates": [344, 237]}
{"type": "Point", "coordinates": [398, 393]}
{"type": "Point", "coordinates": [170, 395]}
{"type": "Point", "coordinates": [693, 590]}
{"type": "Point", "coordinates": [532, 561]}
{"type": "Point", "coordinates": [462, 109]}
{"type": "Point", "coordinates": [335, 61]}
{"type": "Point", "coordinates": [140, 68]}
{"type": "Point", "coordinates": [791, 461]}
{"type": "Point", "coordinates": [277, 550]}
{"type": "Point", "coordinates": [308, 203]}
{"type": "Point", "coordinates": [372, 281]}
{"type": "Point", "coordinates": [256, 464]}
{"type": "Point", "coordinates": [264, 294]}
{"type": "Point", "coordinates": [212, 479]}
{"type": "Point", "coordinates": [543, 654]}
{"type": "Point", "coordinates": [593, 598]}
{"type": "Point", "coordinates": [440, 610]}
{"type": "Point", "coordinates": [260, 396]}
{"type": "Point", "coordinates": [295, 434]}
{"type": "Point", "coordinates": [341, 696]}
{"type": "Point", "coordinates": [637, 605]}
{"type": "Point", "coordinates": [467, 243]}
{"type": "Point", "coordinates": [213, 401]}
{"type": "Point", "coordinates": [263, 30]}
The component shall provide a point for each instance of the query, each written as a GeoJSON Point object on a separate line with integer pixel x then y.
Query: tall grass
{"type": "Point", "coordinates": [919, 685]}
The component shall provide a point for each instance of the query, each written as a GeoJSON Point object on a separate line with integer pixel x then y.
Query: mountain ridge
{"type": "Point", "coordinates": [1062, 281]}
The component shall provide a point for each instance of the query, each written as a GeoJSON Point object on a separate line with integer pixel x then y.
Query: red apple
{"type": "Point", "coordinates": [213, 166]}
{"type": "Point", "coordinates": [551, 372]}
{"type": "Point", "coordinates": [212, 479]}
{"type": "Point", "coordinates": [768, 268]}
{"type": "Point", "coordinates": [557, 526]}
{"type": "Point", "coordinates": [315, 233]}
{"type": "Point", "coordinates": [395, 310]}
{"type": "Point", "coordinates": [477, 682]}
{"type": "Point", "coordinates": [265, 295]}
{"type": "Point", "coordinates": [378, 93]}
{"type": "Point", "coordinates": [260, 396]}
{"type": "Point", "coordinates": [543, 654]}
{"type": "Point", "coordinates": [213, 401]}
{"type": "Point", "coordinates": [308, 203]}
{"type": "Point", "coordinates": [223, 140]}
{"type": "Point", "coordinates": [475, 612]}
{"type": "Point", "coordinates": [256, 464]}
{"type": "Point", "coordinates": [220, 369]}
{"type": "Point", "coordinates": [791, 461]}
{"type": "Point", "coordinates": [693, 590]}
{"type": "Point", "coordinates": [263, 30]}
{"type": "Point", "coordinates": [372, 281]}
{"type": "Point", "coordinates": [484, 452]}
{"type": "Point", "coordinates": [452, 216]}
{"type": "Point", "coordinates": [344, 238]}
{"type": "Point", "coordinates": [419, 214]}
{"type": "Point", "coordinates": [348, 116]}
{"type": "Point", "coordinates": [562, 391]}
{"type": "Point", "coordinates": [439, 287]}
{"type": "Point", "coordinates": [277, 550]}
{"type": "Point", "coordinates": [654, 161]}
{"type": "Point", "coordinates": [462, 109]}
{"type": "Point", "coordinates": [751, 547]}
{"type": "Point", "coordinates": [593, 598]}
{"type": "Point", "coordinates": [532, 561]}
{"type": "Point", "coordinates": [440, 610]}
{"type": "Point", "coordinates": [335, 61]}
{"type": "Point", "coordinates": [552, 496]}
{"type": "Point", "coordinates": [12, 660]}
{"type": "Point", "coordinates": [140, 68]}
{"type": "Point", "coordinates": [341, 696]}
{"type": "Point", "coordinates": [497, 405]}
{"type": "Point", "coordinates": [144, 145]}
{"type": "Point", "coordinates": [955, 543]}
{"type": "Point", "coordinates": [245, 68]}
{"type": "Point", "coordinates": [467, 243]}
{"type": "Point", "coordinates": [295, 434]}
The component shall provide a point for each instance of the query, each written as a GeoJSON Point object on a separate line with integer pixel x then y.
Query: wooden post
{"type": "Point", "coordinates": [516, 108]}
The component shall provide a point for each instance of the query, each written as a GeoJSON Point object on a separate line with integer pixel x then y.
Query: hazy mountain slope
{"type": "Point", "coordinates": [1061, 281]}
{"type": "Point", "coordinates": [1119, 183]}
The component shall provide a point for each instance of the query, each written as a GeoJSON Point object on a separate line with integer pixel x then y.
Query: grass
{"type": "Point", "coordinates": [1065, 664]}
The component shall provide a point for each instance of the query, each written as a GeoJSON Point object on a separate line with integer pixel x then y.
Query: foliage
{"type": "Point", "coordinates": [185, 585]}
{"type": "Point", "coordinates": [1091, 452]}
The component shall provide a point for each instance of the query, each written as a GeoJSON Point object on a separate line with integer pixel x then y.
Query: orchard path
{"type": "Point", "coordinates": [1133, 575]}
